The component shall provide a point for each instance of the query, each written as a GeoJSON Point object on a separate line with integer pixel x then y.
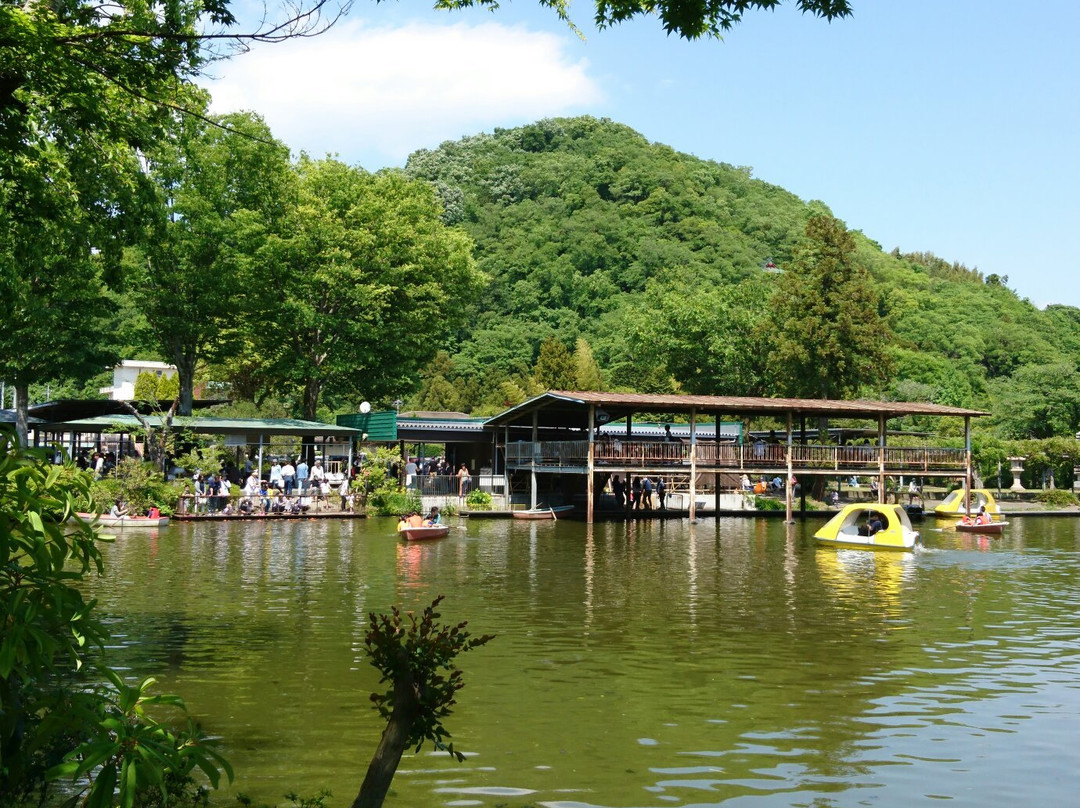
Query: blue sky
{"type": "Point", "coordinates": [950, 126]}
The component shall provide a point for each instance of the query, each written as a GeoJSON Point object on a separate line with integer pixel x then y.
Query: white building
{"type": "Point", "coordinates": [125, 374]}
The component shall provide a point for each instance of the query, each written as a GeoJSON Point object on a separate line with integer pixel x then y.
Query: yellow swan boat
{"type": "Point", "coordinates": [868, 524]}
{"type": "Point", "coordinates": [953, 504]}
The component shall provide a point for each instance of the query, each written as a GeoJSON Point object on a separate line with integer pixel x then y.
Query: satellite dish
{"type": "Point", "coordinates": [365, 408]}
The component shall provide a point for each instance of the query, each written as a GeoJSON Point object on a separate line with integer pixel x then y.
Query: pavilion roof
{"type": "Point", "coordinates": [564, 408]}
{"type": "Point", "coordinates": [251, 428]}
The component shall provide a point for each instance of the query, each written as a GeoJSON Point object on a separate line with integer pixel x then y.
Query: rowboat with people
{"type": "Point", "coordinates": [423, 533]}
{"type": "Point", "coordinates": [989, 528]}
{"type": "Point", "coordinates": [414, 527]}
{"type": "Point", "coordinates": [122, 522]}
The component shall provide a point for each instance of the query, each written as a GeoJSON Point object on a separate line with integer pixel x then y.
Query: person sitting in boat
{"type": "Point", "coordinates": [745, 484]}
{"type": "Point", "coordinates": [118, 510]}
{"type": "Point", "coordinates": [415, 520]}
{"type": "Point", "coordinates": [872, 525]}
{"type": "Point", "coordinates": [434, 518]}
{"type": "Point", "coordinates": [982, 517]}
{"type": "Point", "coordinates": [403, 522]}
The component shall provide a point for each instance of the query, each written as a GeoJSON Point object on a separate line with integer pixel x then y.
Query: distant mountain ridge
{"type": "Point", "coordinates": [580, 223]}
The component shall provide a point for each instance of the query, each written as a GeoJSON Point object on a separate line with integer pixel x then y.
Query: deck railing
{"type": "Point", "coordinates": [730, 456]}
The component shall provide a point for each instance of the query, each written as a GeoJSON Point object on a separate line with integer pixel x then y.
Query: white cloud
{"type": "Point", "coordinates": [377, 94]}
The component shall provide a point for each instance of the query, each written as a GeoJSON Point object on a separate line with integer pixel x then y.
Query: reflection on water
{"type": "Point", "coordinates": [653, 664]}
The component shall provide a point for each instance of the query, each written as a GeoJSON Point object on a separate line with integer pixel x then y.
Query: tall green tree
{"type": "Point", "coordinates": [223, 188]}
{"type": "Point", "coordinates": [369, 285]}
{"type": "Point", "coordinates": [827, 337]}
{"type": "Point", "coordinates": [84, 88]}
{"type": "Point", "coordinates": [53, 298]}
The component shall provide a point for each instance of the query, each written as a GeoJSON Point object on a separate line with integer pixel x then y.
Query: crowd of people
{"type": "Point", "coordinates": [434, 475]}
{"type": "Point", "coordinates": [289, 489]}
{"type": "Point", "coordinates": [638, 495]}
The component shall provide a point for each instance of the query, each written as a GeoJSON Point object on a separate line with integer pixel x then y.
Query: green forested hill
{"type": "Point", "coordinates": [663, 264]}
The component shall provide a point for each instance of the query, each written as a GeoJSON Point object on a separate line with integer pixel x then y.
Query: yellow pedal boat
{"type": "Point", "coordinates": [868, 524]}
{"type": "Point", "coordinates": [953, 505]}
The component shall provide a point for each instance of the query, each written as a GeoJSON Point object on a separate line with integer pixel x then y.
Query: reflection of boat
{"type": "Point", "coordinates": [543, 513]}
{"type": "Point", "coordinates": [953, 504]}
{"type": "Point", "coordinates": [104, 520]}
{"type": "Point", "coordinates": [421, 533]}
{"type": "Point", "coordinates": [994, 528]}
{"type": "Point", "coordinates": [852, 526]}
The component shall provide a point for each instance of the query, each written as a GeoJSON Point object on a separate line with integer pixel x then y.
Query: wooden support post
{"type": "Point", "coordinates": [967, 464]}
{"type": "Point", "coordinates": [532, 459]}
{"type": "Point", "coordinates": [881, 460]}
{"type": "Point", "coordinates": [787, 492]}
{"type": "Point", "coordinates": [716, 467]}
{"type": "Point", "coordinates": [693, 465]}
{"type": "Point", "coordinates": [506, 466]}
{"type": "Point", "coordinates": [626, 473]}
{"type": "Point", "coordinates": [591, 485]}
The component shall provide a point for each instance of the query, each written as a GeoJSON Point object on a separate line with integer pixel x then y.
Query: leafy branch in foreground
{"type": "Point", "coordinates": [415, 655]}
{"type": "Point", "coordinates": [62, 711]}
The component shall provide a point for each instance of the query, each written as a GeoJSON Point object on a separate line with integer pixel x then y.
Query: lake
{"type": "Point", "coordinates": [731, 662]}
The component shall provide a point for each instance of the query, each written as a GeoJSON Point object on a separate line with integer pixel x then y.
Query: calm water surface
{"type": "Point", "coordinates": [731, 662]}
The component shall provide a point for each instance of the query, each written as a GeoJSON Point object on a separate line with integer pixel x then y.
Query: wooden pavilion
{"type": "Point", "coordinates": [557, 433]}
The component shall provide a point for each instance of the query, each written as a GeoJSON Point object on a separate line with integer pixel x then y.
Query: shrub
{"type": "Point", "coordinates": [140, 486]}
{"type": "Point", "coordinates": [394, 503]}
{"type": "Point", "coordinates": [768, 504]}
{"type": "Point", "coordinates": [478, 500]}
{"type": "Point", "coordinates": [1057, 498]}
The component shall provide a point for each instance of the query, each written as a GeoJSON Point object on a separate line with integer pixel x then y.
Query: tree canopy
{"type": "Point", "coordinates": [688, 20]}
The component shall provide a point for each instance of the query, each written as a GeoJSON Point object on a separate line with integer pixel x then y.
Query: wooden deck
{"type": "Point", "coordinates": [754, 458]}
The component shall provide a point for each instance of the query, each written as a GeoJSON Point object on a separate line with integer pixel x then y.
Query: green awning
{"type": "Point", "coordinates": [377, 427]}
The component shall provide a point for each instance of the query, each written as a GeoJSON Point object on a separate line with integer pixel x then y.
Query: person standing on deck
{"type": "Point", "coordinates": [661, 492]}
{"type": "Point", "coordinates": [646, 493]}
{"type": "Point", "coordinates": [288, 477]}
{"type": "Point", "coordinates": [620, 492]}
{"type": "Point", "coordinates": [317, 479]}
{"type": "Point", "coordinates": [301, 475]}
{"type": "Point", "coordinates": [275, 476]}
{"type": "Point", "coordinates": [635, 492]}
{"type": "Point", "coordinates": [464, 481]}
